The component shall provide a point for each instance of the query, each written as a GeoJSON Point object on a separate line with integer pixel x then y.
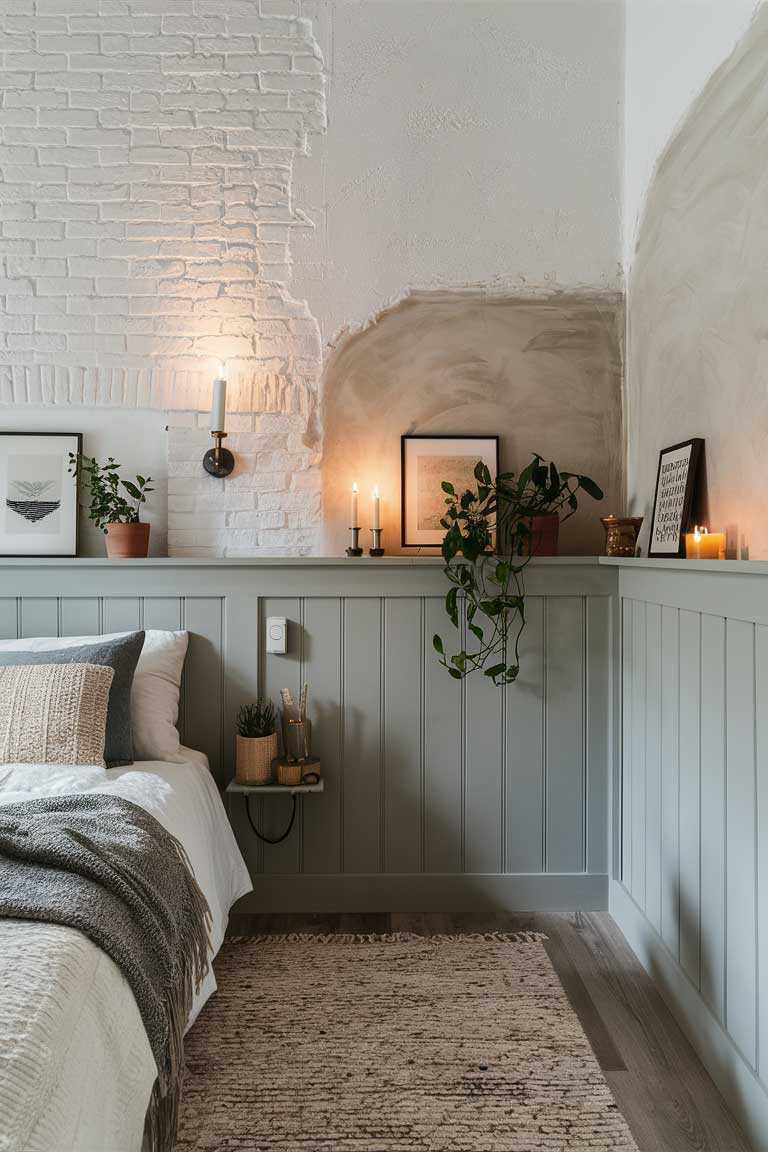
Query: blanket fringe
{"type": "Point", "coordinates": [389, 938]}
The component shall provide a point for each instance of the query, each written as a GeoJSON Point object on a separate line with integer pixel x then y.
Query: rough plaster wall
{"type": "Point", "coordinates": [696, 358]}
{"type": "Point", "coordinates": [147, 208]}
{"type": "Point", "coordinates": [544, 375]}
{"type": "Point", "coordinates": [473, 142]}
{"type": "Point", "coordinates": [672, 48]}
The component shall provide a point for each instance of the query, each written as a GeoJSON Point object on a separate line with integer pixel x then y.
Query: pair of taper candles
{"type": "Point", "coordinates": [354, 528]}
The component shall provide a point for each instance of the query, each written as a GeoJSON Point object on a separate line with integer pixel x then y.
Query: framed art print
{"type": "Point", "coordinates": [38, 516]}
{"type": "Point", "coordinates": [425, 462]}
{"type": "Point", "coordinates": [675, 487]}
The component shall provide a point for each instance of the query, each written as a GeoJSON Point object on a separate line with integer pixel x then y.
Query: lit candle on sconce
{"type": "Point", "coordinates": [703, 545]}
{"type": "Point", "coordinates": [354, 528]}
{"type": "Point", "coordinates": [376, 548]}
{"type": "Point", "coordinates": [219, 461]}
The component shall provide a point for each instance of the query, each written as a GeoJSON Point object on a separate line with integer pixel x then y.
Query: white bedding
{"type": "Point", "coordinates": [76, 1069]}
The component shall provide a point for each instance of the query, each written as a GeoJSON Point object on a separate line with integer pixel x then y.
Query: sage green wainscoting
{"type": "Point", "coordinates": [690, 887]}
{"type": "Point", "coordinates": [438, 795]}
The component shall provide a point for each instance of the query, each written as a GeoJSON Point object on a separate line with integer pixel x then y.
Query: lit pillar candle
{"type": "Point", "coordinates": [219, 405]}
{"type": "Point", "coordinates": [703, 545]}
{"type": "Point", "coordinates": [353, 511]}
{"type": "Point", "coordinates": [376, 508]}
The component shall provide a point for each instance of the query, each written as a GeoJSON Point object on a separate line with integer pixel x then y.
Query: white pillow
{"type": "Point", "coordinates": [155, 692]}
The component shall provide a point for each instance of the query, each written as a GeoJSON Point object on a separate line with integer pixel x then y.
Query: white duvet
{"type": "Point", "coordinates": [76, 1069]}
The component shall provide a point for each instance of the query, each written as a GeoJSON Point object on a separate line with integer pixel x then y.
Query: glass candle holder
{"type": "Point", "coordinates": [297, 740]}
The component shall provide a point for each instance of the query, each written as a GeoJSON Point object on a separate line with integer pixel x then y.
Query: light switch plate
{"type": "Point", "coordinates": [277, 635]}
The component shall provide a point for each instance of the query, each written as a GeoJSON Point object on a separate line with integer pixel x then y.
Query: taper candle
{"type": "Point", "coordinates": [376, 508]}
{"type": "Point", "coordinates": [219, 405]}
{"type": "Point", "coordinates": [354, 522]}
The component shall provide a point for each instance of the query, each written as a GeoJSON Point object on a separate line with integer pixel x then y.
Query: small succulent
{"type": "Point", "coordinates": [255, 720]}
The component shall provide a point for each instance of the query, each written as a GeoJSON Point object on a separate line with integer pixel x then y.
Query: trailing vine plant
{"type": "Point", "coordinates": [486, 600]}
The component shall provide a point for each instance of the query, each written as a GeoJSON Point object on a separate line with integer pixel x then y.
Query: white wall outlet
{"type": "Point", "coordinates": [277, 635]}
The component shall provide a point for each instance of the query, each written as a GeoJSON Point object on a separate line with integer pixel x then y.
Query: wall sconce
{"type": "Point", "coordinates": [219, 461]}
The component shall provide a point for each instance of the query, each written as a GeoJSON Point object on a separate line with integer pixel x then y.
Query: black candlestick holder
{"type": "Point", "coordinates": [354, 548]}
{"type": "Point", "coordinates": [218, 461]}
{"type": "Point", "coordinates": [376, 548]}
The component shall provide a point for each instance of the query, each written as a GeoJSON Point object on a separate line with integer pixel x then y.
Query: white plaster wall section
{"type": "Point", "coordinates": [147, 201]}
{"type": "Point", "coordinates": [697, 361]}
{"type": "Point", "coordinates": [544, 375]}
{"type": "Point", "coordinates": [469, 144]}
{"type": "Point", "coordinates": [672, 48]}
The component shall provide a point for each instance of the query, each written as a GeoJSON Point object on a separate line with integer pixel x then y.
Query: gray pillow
{"type": "Point", "coordinates": [122, 656]}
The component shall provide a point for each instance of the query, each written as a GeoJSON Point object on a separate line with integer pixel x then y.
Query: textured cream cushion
{"type": "Point", "coordinates": [155, 691]}
{"type": "Point", "coordinates": [53, 713]}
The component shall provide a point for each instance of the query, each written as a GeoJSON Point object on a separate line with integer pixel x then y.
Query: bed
{"type": "Point", "coordinates": [76, 1068]}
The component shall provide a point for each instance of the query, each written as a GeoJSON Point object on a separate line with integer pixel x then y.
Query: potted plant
{"type": "Point", "coordinates": [256, 742]}
{"type": "Point", "coordinates": [486, 600]}
{"type": "Point", "coordinates": [115, 504]}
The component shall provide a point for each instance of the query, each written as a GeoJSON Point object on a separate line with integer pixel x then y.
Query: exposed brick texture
{"type": "Point", "coordinates": [146, 161]}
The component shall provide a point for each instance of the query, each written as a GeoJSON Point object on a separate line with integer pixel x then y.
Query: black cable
{"type": "Point", "coordinates": [260, 835]}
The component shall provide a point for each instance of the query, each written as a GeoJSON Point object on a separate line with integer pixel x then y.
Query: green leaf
{"type": "Point", "coordinates": [437, 644]}
{"type": "Point", "coordinates": [495, 670]}
{"type": "Point", "coordinates": [591, 489]}
{"type": "Point", "coordinates": [481, 473]}
{"type": "Point", "coordinates": [477, 631]}
{"type": "Point", "coordinates": [449, 488]}
{"type": "Point", "coordinates": [455, 673]}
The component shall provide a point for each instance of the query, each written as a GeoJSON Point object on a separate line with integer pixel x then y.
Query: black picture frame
{"type": "Point", "coordinates": [491, 452]}
{"type": "Point", "coordinates": [76, 445]}
{"type": "Point", "coordinates": [674, 545]}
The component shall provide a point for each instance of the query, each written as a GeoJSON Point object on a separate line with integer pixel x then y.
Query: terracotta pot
{"type": "Point", "coordinates": [544, 535]}
{"type": "Point", "coordinates": [127, 541]}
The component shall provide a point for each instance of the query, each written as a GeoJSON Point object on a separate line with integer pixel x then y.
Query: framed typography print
{"type": "Point", "coordinates": [426, 461]}
{"type": "Point", "coordinates": [675, 488]}
{"type": "Point", "coordinates": [38, 514]}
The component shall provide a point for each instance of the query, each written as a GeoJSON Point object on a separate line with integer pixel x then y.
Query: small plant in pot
{"type": "Point", "coordinates": [256, 742]}
{"type": "Point", "coordinates": [114, 505]}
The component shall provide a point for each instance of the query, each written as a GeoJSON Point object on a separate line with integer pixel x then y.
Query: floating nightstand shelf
{"type": "Point", "coordinates": [263, 790]}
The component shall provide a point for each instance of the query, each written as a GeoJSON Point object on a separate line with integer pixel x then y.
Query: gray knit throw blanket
{"type": "Point", "coordinates": [106, 867]}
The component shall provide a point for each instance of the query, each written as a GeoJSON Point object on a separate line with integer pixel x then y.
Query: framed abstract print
{"type": "Point", "coordinates": [38, 516]}
{"type": "Point", "coordinates": [675, 489]}
{"type": "Point", "coordinates": [425, 462]}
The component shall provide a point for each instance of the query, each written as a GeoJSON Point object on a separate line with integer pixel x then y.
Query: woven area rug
{"type": "Point", "coordinates": [393, 1044]}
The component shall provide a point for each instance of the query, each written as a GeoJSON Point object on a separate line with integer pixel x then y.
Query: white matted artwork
{"type": "Point", "coordinates": [426, 461]}
{"type": "Point", "coordinates": [39, 497]}
{"type": "Point", "coordinates": [675, 487]}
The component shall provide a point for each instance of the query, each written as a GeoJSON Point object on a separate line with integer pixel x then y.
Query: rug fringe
{"type": "Point", "coordinates": [387, 938]}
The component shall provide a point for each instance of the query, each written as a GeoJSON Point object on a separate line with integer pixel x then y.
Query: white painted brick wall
{"type": "Point", "coordinates": [146, 206]}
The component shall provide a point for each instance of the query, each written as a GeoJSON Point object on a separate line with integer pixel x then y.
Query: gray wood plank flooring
{"type": "Point", "coordinates": [667, 1097]}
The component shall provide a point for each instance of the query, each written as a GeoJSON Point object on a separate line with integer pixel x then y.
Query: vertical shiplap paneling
{"type": "Point", "coordinates": [162, 612]}
{"type": "Point", "coordinates": [322, 671]}
{"type": "Point", "coordinates": [670, 779]}
{"type": "Point", "coordinates": [483, 759]}
{"type": "Point", "coordinates": [690, 794]}
{"type": "Point", "coordinates": [565, 809]}
{"type": "Point", "coordinates": [741, 847]}
{"type": "Point", "coordinates": [121, 613]}
{"type": "Point", "coordinates": [653, 764]}
{"type": "Point", "coordinates": [639, 639]}
{"type": "Point", "coordinates": [80, 616]}
{"type": "Point", "coordinates": [761, 817]}
{"type": "Point", "coordinates": [713, 808]}
{"type": "Point", "coordinates": [281, 671]}
{"type": "Point", "coordinates": [402, 783]}
{"type": "Point", "coordinates": [362, 734]}
{"type": "Point", "coordinates": [9, 617]}
{"type": "Point", "coordinates": [203, 680]}
{"type": "Point", "coordinates": [39, 616]}
{"type": "Point", "coordinates": [442, 750]}
{"type": "Point", "coordinates": [627, 713]}
{"type": "Point", "coordinates": [598, 682]}
{"type": "Point", "coordinates": [524, 750]}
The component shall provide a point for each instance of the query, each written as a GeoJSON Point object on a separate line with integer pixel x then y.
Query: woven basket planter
{"type": "Point", "coordinates": [289, 774]}
{"type": "Point", "coordinates": [254, 758]}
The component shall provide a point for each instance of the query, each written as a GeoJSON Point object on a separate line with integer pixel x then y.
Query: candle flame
{"type": "Point", "coordinates": [698, 532]}
{"type": "Point", "coordinates": [354, 487]}
{"type": "Point", "coordinates": [376, 492]}
{"type": "Point", "coordinates": [222, 369]}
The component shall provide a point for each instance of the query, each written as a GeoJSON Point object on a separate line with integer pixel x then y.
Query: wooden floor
{"type": "Point", "coordinates": [667, 1098]}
